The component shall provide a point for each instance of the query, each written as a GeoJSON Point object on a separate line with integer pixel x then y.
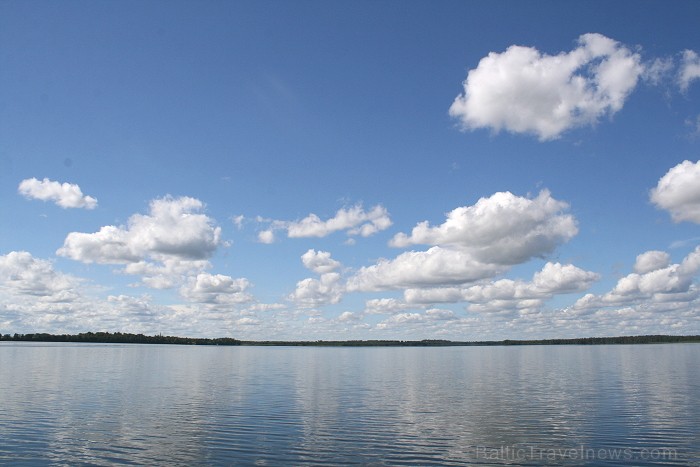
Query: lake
{"type": "Point", "coordinates": [105, 404]}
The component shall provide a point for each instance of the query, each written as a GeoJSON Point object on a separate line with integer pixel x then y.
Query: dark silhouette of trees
{"type": "Point", "coordinates": [128, 338]}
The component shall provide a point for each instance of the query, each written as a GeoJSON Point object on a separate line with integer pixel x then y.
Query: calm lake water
{"type": "Point", "coordinates": [100, 404]}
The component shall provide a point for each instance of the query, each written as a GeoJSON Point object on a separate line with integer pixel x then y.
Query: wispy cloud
{"type": "Point", "coordinates": [353, 221]}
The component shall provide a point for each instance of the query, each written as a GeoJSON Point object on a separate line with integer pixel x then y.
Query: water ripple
{"type": "Point", "coordinates": [172, 405]}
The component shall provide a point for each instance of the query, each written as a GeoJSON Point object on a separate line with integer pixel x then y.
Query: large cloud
{"type": "Point", "coordinates": [502, 229]}
{"type": "Point", "coordinates": [679, 192]}
{"type": "Point", "coordinates": [434, 267]}
{"type": "Point", "coordinates": [175, 238]}
{"type": "Point", "coordinates": [475, 242]}
{"type": "Point", "coordinates": [553, 279]}
{"type": "Point", "coordinates": [651, 261]}
{"type": "Point", "coordinates": [23, 275]}
{"type": "Point", "coordinates": [65, 195]}
{"type": "Point", "coordinates": [523, 90]}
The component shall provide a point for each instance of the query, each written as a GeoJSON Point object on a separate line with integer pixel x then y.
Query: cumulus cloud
{"type": "Point", "coordinates": [354, 221]}
{"type": "Point", "coordinates": [327, 289]}
{"type": "Point", "coordinates": [266, 236]}
{"type": "Point", "coordinates": [319, 262]}
{"type": "Point", "coordinates": [65, 195]}
{"type": "Point", "coordinates": [505, 294]}
{"type": "Point", "coordinates": [440, 315]}
{"type": "Point", "coordinates": [166, 273]}
{"type": "Point", "coordinates": [436, 266]}
{"type": "Point", "coordinates": [401, 319]}
{"type": "Point", "coordinates": [651, 261]}
{"type": "Point", "coordinates": [690, 69]}
{"type": "Point", "coordinates": [311, 292]}
{"type": "Point", "coordinates": [474, 243]}
{"type": "Point", "coordinates": [216, 289]}
{"type": "Point", "coordinates": [557, 278]}
{"type": "Point", "coordinates": [174, 238]}
{"type": "Point", "coordinates": [23, 275]}
{"type": "Point", "coordinates": [679, 192]}
{"type": "Point", "coordinates": [523, 90]}
{"type": "Point", "coordinates": [433, 295]}
{"type": "Point", "coordinates": [349, 316]}
{"type": "Point", "coordinates": [655, 281]}
{"type": "Point", "coordinates": [502, 229]}
{"type": "Point", "coordinates": [380, 306]}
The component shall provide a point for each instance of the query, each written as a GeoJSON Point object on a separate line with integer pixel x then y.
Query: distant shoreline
{"type": "Point", "coordinates": [127, 338]}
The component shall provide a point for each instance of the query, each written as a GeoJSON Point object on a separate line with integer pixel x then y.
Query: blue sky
{"type": "Point", "coordinates": [350, 170]}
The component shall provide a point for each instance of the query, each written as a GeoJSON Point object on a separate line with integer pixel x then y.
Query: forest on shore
{"type": "Point", "coordinates": [128, 338]}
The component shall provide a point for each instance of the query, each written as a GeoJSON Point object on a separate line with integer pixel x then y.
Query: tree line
{"type": "Point", "coordinates": [129, 338]}
{"type": "Point", "coordinates": [118, 338]}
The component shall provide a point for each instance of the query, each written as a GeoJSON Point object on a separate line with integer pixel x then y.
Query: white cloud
{"type": "Point", "coordinates": [216, 289]}
{"type": "Point", "coordinates": [502, 229]}
{"type": "Point", "coordinates": [474, 243]}
{"type": "Point", "coordinates": [23, 275]}
{"type": "Point", "coordinates": [690, 69]}
{"type": "Point", "coordinates": [349, 316]}
{"type": "Point", "coordinates": [659, 70]}
{"type": "Point", "coordinates": [694, 125]}
{"type": "Point", "coordinates": [440, 315]}
{"type": "Point", "coordinates": [167, 273]}
{"type": "Point", "coordinates": [433, 295]}
{"type": "Point", "coordinates": [312, 292]}
{"type": "Point", "coordinates": [507, 294]}
{"type": "Point", "coordinates": [525, 91]}
{"type": "Point", "coordinates": [679, 192]}
{"type": "Point", "coordinates": [319, 262]}
{"type": "Point", "coordinates": [175, 238]}
{"type": "Point", "coordinates": [380, 306]}
{"type": "Point", "coordinates": [238, 221]}
{"type": "Point", "coordinates": [556, 278]}
{"type": "Point", "coordinates": [654, 283]}
{"type": "Point", "coordinates": [266, 236]}
{"type": "Point", "coordinates": [401, 319]}
{"type": "Point", "coordinates": [354, 221]}
{"type": "Point", "coordinates": [265, 307]}
{"type": "Point", "coordinates": [437, 266]}
{"type": "Point", "coordinates": [327, 289]}
{"type": "Point", "coordinates": [651, 261]}
{"type": "Point", "coordinates": [65, 195]}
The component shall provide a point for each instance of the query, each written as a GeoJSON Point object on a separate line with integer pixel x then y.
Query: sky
{"type": "Point", "coordinates": [307, 170]}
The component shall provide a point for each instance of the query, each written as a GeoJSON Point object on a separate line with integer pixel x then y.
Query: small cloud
{"type": "Point", "coordinates": [694, 125]}
{"type": "Point", "coordinates": [354, 221]}
{"type": "Point", "coordinates": [679, 192]}
{"type": "Point", "coordinates": [690, 69]}
{"type": "Point", "coordinates": [65, 195]}
{"type": "Point", "coordinates": [266, 236]}
{"type": "Point", "coordinates": [319, 262]}
{"type": "Point", "coordinates": [658, 71]}
{"type": "Point", "coordinates": [238, 221]}
{"type": "Point", "coordinates": [349, 316]}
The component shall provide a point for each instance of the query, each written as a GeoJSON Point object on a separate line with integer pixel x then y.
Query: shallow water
{"type": "Point", "coordinates": [101, 404]}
